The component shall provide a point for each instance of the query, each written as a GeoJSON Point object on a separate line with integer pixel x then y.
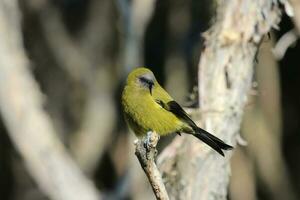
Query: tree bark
{"type": "Point", "coordinates": [190, 169]}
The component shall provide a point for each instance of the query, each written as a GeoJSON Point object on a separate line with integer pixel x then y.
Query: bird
{"type": "Point", "coordinates": [148, 107]}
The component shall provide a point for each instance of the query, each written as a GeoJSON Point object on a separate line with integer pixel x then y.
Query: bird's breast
{"type": "Point", "coordinates": [144, 115]}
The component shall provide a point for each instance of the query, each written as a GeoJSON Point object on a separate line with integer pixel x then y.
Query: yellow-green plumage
{"type": "Point", "coordinates": [148, 107]}
{"type": "Point", "coordinates": [141, 110]}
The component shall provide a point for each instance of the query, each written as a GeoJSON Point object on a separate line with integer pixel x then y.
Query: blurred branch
{"type": "Point", "coordinates": [296, 13]}
{"type": "Point", "coordinates": [29, 127]}
{"type": "Point", "coordinates": [136, 15]}
{"type": "Point", "coordinates": [66, 51]}
{"type": "Point", "coordinates": [145, 150]}
{"type": "Point", "coordinates": [99, 31]}
{"type": "Point", "coordinates": [282, 45]}
{"type": "Point", "coordinates": [242, 174]}
{"type": "Point", "coordinates": [88, 143]}
{"type": "Point", "coordinates": [265, 138]}
{"type": "Point", "coordinates": [225, 75]}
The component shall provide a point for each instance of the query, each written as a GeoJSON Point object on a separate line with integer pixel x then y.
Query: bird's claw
{"type": "Point", "coordinates": [150, 143]}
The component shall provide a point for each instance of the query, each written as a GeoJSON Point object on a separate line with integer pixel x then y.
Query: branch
{"type": "Point", "coordinates": [145, 150]}
{"type": "Point", "coordinates": [87, 144]}
{"type": "Point", "coordinates": [29, 126]}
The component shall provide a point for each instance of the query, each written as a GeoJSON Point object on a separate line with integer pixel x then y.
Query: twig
{"type": "Point", "coordinates": [286, 41]}
{"type": "Point", "coordinates": [145, 150]}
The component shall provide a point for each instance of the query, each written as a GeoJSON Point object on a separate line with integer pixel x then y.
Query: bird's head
{"type": "Point", "coordinates": [142, 79]}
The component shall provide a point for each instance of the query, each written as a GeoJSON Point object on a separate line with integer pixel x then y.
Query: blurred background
{"type": "Point", "coordinates": [80, 52]}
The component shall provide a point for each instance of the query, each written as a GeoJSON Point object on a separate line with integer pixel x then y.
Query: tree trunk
{"type": "Point", "coordinates": [190, 169]}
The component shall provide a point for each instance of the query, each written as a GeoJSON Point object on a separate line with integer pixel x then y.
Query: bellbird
{"type": "Point", "coordinates": [148, 107]}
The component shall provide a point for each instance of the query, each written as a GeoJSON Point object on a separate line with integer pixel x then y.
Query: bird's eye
{"type": "Point", "coordinates": [148, 83]}
{"type": "Point", "coordinates": [143, 80]}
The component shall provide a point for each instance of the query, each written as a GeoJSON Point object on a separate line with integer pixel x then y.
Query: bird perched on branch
{"type": "Point", "coordinates": [148, 107]}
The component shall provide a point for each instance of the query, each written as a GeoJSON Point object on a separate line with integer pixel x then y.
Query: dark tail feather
{"type": "Point", "coordinates": [212, 141]}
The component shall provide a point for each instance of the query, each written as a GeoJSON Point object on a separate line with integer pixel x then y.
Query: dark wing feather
{"type": "Point", "coordinates": [177, 110]}
{"type": "Point", "coordinates": [211, 140]}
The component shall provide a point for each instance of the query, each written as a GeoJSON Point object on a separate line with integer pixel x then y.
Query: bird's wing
{"type": "Point", "coordinates": [177, 110]}
{"type": "Point", "coordinates": [167, 102]}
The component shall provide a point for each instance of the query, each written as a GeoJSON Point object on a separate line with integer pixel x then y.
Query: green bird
{"type": "Point", "coordinates": [148, 107]}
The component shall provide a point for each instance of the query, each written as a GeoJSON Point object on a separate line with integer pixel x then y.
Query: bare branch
{"type": "Point", "coordinates": [145, 150]}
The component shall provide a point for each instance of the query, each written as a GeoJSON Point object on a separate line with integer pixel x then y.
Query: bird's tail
{"type": "Point", "coordinates": [211, 140]}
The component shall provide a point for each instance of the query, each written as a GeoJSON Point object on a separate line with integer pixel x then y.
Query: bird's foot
{"type": "Point", "coordinates": [150, 143]}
